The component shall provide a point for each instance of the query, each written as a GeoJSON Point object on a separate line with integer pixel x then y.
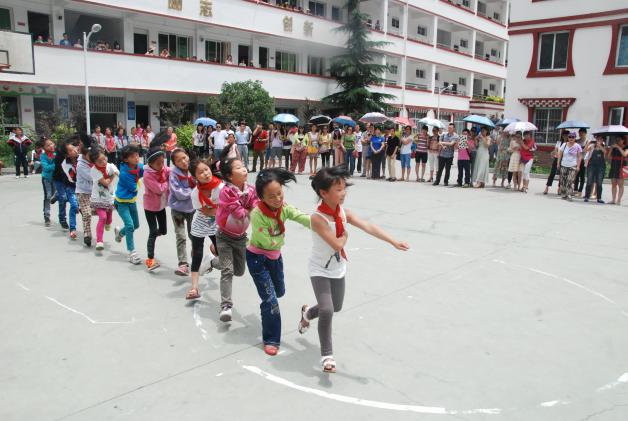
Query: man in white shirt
{"type": "Point", "coordinates": [219, 137]}
{"type": "Point", "coordinates": [243, 139]}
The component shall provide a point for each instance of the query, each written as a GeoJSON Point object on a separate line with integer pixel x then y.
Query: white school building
{"type": "Point", "coordinates": [458, 47]}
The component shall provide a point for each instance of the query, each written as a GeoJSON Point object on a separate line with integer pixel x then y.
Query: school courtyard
{"type": "Point", "coordinates": [508, 307]}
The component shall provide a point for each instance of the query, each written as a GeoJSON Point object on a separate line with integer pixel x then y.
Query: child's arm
{"type": "Point", "coordinates": [230, 201]}
{"type": "Point", "coordinates": [296, 215]}
{"type": "Point", "coordinates": [375, 231]}
{"type": "Point", "coordinates": [322, 228]}
{"type": "Point", "coordinates": [105, 181]}
{"type": "Point", "coordinates": [176, 189]}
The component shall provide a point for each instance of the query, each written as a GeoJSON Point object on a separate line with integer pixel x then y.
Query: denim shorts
{"type": "Point", "coordinates": [276, 152]}
{"type": "Point", "coordinates": [405, 160]}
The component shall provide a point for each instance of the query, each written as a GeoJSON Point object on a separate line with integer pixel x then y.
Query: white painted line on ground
{"type": "Point", "coordinates": [23, 287]}
{"type": "Point", "coordinates": [368, 403]}
{"type": "Point", "coordinates": [550, 404]}
{"type": "Point", "coordinates": [623, 379]}
{"type": "Point", "coordinates": [198, 321]}
{"type": "Point", "coordinates": [89, 319]}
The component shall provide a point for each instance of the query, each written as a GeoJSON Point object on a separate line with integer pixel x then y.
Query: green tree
{"type": "Point", "coordinates": [184, 135]}
{"type": "Point", "coordinates": [172, 113]}
{"type": "Point", "coordinates": [309, 109]}
{"type": "Point", "coordinates": [247, 101]}
{"type": "Point", "coordinates": [356, 70]}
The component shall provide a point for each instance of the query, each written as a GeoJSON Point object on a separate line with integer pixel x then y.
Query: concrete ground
{"type": "Point", "coordinates": [508, 307]}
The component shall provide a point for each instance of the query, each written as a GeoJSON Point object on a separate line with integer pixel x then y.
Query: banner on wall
{"type": "Point", "coordinates": [131, 110]}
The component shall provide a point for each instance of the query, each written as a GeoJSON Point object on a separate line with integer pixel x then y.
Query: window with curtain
{"type": "Point", "coordinates": [285, 61]}
{"type": "Point", "coordinates": [316, 8]}
{"type": "Point", "coordinates": [546, 119]}
{"type": "Point", "coordinates": [622, 46]}
{"type": "Point", "coordinates": [315, 65]}
{"type": "Point", "coordinates": [553, 50]}
{"type": "Point", "coordinates": [178, 46]}
{"type": "Point", "coordinates": [616, 116]}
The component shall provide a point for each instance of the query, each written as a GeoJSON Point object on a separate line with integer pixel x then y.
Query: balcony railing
{"type": "Point", "coordinates": [418, 86]}
{"type": "Point", "coordinates": [488, 57]}
{"type": "Point", "coordinates": [489, 98]}
{"type": "Point", "coordinates": [295, 9]}
{"type": "Point", "coordinates": [460, 4]}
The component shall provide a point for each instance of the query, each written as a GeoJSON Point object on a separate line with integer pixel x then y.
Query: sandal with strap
{"type": "Point", "coordinates": [329, 364]}
{"type": "Point", "coordinates": [192, 294]}
{"type": "Point", "coordinates": [304, 324]}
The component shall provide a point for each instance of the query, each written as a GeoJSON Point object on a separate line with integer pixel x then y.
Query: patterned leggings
{"type": "Point", "coordinates": [567, 177]}
{"type": "Point", "coordinates": [86, 213]}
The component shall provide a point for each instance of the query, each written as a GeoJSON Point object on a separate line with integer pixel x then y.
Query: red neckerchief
{"type": "Point", "coordinates": [135, 172]}
{"type": "Point", "coordinates": [110, 144]}
{"type": "Point", "coordinates": [162, 175]}
{"type": "Point", "coordinates": [72, 171]}
{"type": "Point", "coordinates": [189, 178]}
{"type": "Point", "coordinates": [50, 155]}
{"type": "Point", "coordinates": [204, 192]}
{"type": "Point", "coordinates": [340, 227]}
{"type": "Point", "coordinates": [103, 170]}
{"type": "Point", "coordinates": [276, 215]}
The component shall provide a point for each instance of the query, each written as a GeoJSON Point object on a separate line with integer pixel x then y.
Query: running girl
{"type": "Point", "coordinates": [126, 195]}
{"type": "Point", "coordinates": [328, 261]}
{"type": "Point", "coordinates": [156, 190]}
{"type": "Point", "coordinates": [263, 255]}
{"type": "Point", "coordinates": [103, 176]}
{"type": "Point", "coordinates": [180, 202]}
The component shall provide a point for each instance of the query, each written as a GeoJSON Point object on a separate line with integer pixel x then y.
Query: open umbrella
{"type": "Point", "coordinates": [404, 121]}
{"type": "Point", "coordinates": [374, 118]}
{"type": "Point", "coordinates": [205, 121]}
{"type": "Point", "coordinates": [285, 119]}
{"type": "Point", "coordinates": [320, 120]}
{"type": "Point", "coordinates": [506, 121]}
{"type": "Point", "coordinates": [479, 120]}
{"type": "Point", "coordinates": [573, 124]}
{"type": "Point", "coordinates": [611, 130]}
{"type": "Point", "coordinates": [520, 126]}
{"type": "Point", "coordinates": [432, 122]}
{"type": "Point", "coordinates": [344, 120]}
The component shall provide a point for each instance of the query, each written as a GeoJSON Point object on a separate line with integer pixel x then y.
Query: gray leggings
{"type": "Point", "coordinates": [231, 261]}
{"type": "Point", "coordinates": [330, 293]}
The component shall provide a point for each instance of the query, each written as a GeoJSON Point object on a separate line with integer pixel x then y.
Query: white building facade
{"type": "Point", "coordinates": [568, 60]}
{"type": "Point", "coordinates": [460, 45]}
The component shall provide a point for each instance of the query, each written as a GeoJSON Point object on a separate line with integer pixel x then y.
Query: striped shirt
{"type": "Point", "coordinates": [203, 225]}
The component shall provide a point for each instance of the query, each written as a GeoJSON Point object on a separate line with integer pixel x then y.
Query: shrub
{"type": "Point", "coordinates": [184, 136]}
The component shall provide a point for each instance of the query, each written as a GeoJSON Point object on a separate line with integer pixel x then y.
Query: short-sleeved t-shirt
{"type": "Point", "coordinates": [463, 152]}
{"type": "Point", "coordinates": [421, 143]}
{"type": "Point", "coordinates": [220, 138]}
{"type": "Point", "coordinates": [376, 142]}
{"type": "Point", "coordinates": [448, 151]}
{"type": "Point", "coordinates": [242, 138]}
{"type": "Point", "coordinates": [570, 155]}
{"type": "Point", "coordinates": [392, 142]}
{"type": "Point", "coordinates": [406, 149]}
{"type": "Point", "coordinates": [102, 196]}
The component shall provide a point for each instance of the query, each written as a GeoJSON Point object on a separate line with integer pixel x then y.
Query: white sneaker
{"type": "Point", "coordinates": [134, 258]}
{"type": "Point", "coordinates": [225, 314]}
{"type": "Point", "coordinates": [206, 264]}
{"type": "Point", "coordinates": [100, 246]}
{"type": "Point", "coordinates": [116, 230]}
{"type": "Point", "coordinates": [17, 177]}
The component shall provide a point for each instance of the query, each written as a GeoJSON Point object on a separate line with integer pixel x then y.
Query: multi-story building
{"type": "Point", "coordinates": [568, 61]}
{"type": "Point", "coordinates": [433, 44]}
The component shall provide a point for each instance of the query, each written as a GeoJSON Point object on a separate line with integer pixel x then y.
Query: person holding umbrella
{"type": "Point", "coordinates": [596, 167]}
{"type": "Point", "coordinates": [570, 159]}
{"type": "Point", "coordinates": [554, 169]}
{"type": "Point", "coordinates": [480, 167]}
{"type": "Point", "coordinates": [618, 154]}
{"type": "Point", "coordinates": [527, 158]}
{"type": "Point", "coordinates": [325, 148]}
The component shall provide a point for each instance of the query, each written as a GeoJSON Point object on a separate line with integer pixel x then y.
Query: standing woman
{"type": "Point", "coordinates": [555, 166]}
{"type": "Point", "coordinates": [618, 153]}
{"type": "Point", "coordinates": [527, 158]}
{"type": "Point", "coordinates": [198, 139]}
{"type": "Point", "coordinates": [596, 167]}
{"type": "Point", "coordinates": [514, 165]}
{"type": "Point", "coordinates": [325, 146]}
{"type": "Point", "coordinates": [311, 140]}
{"type": "Point", "coordinates": [287, 146]}
{"type": "Point", "coordinates": [171, 144]}
{"type": "Point", "coordinates": [378, 146]}
{"type": "Point", "coordinates": [570, 159]}
{"type": "Point", "coordinates": [121, 141]}
{"type": "Point", "coordinates": [348, 143]}
{"type": "Point", "coordinates": [299, 151]}
{"type": "Point", "coordinates": [480, 166]}
{"type": "Point", "coordinates": [276, 147]}
{"type": "Point", "coordinates": [432, 153]}
{"type": "Point", "coordinates": [110, 146]}
{"type": "Point", "coordinates": [503, 158]}
{"type": "Point", "coordinates": [339, 149]}
{"type": "Point", "coordinates": [366, 150]}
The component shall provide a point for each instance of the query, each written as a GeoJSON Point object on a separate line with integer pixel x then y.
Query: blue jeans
{"type": "Point", "coordinates": [350, 161]}
{"type": "Point", "coordinates": [268, 277]}
{"type": "Point", "coordinates": [217, 153]}
{"type": "Point", "coordinates": [49, 191]}
{"type": "Point", "coordinates": [244, 153]}
{"type": "Point", "coordinates": [65, 195]}
{"type": "Point", "coordinates": [128, 213]}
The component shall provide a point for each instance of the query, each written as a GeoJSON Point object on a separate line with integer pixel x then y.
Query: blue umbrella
{"type": "Point", "coordinates": [344, 120]}
{"type": "Point", "coordinates": [479, 120]}
{"type": "Point", "coordinates": [285, 119]}
{"type": "Point", "coordinates": [205, 121]}
{"type": "Point", "coordinates": [573, 124]}
{"type": "Point", "coordinates": [506, 121]}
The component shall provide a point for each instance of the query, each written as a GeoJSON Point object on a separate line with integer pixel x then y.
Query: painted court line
{"type": "Point", "coordinates": [368, 403]}
{"type": "Point", "coordinates": [85, 316]}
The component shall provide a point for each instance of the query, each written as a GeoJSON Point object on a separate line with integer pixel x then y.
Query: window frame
{"type": "Point", "coordinates": [534, 71]}
{"type": "Point", "coordinates": [540, 52]}
{"type": "Point", "coordinates": [278, 61]}
{"type": "Point", "coordinates": [550, 131]}
{"type": "Point", "coordinates": [618, 38]}
{"type": "Point", "coordinates": [621, 116]}
{"type": "Point", "coordinates": [10, 10]}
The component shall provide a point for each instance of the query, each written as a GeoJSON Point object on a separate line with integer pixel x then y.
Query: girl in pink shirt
{"type": "Point", "coordinates": [156, 190]}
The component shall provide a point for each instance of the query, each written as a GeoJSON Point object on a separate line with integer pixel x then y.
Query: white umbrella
{"type": "Point", "coordinates": [374, 118]}
{"type": "Point", "coordinates": [520, 126]}
{"type": "Point", "coordinates": [611, 130]}
{"type": "Point", "coordinates": [432, 122]}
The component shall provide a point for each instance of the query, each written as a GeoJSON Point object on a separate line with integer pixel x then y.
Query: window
{"type": "Point", "coordinates": [464, 43]}
{"type": "Point", "coordinates": [462, 81]}
{"type": "Point", "coordinates": [466, 3]}
{"type": "Point", "coordinates": [443, 38]}
{"type": "Point", "coordinates": [285, 61]}
{"type": "Point", "coordinates": [177, 46]}
{"type": "Point", "coordinates": [421, 30]}
{"type": "Point", "coordinates": [616, 116]}
{"type": "Point", "coordinates": [283, 110]}
{"type": "Point", "coordinates": [482, 8]}
{"type": "Point", "coordinates": [553, 51]}
{"type": "Point", "coordinates": [393, 69]}
{"type": "Point", "coordinates": [316, 8]}
{"type": "Point", "coordinates": [214, 51]}
{"type": "Point", "coordinates": [496, 16]}
{"type": "Point", "coordinates": [622, 47]}
{"type": "Point", "coordinates": [491, 87]}
{"type": "Point", "coordinates": [11, 110]}
{"type": "Point", "coordinates": [436, 76]}
{"type": "Point", "coordinates": [493, 52]}
{"type": "Point", "coordinates": [5, 19]}
{"type": "Point", "coordinates": [546, 119]}
{"type": "Point", "coordinates": [420, 74]}
{"type": "Point", "coordinates": [336, 13]}
{"type": "Point", "coordinates": [395, 23]}
{"type": "Point", "coordinates": [315, 65]}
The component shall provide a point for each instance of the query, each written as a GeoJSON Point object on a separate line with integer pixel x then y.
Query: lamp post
{"type": "Point", "coordinates": [95, 28]}
{"type": "Point", "coordinates": [440, 91]}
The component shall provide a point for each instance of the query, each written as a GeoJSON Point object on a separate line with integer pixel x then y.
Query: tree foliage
{"type": "Point", "coordinates": [237, 101]}
{"type": "Point", "coordinates": [172, 113]}
{"type": "Point", "coordinates": [357, 69]}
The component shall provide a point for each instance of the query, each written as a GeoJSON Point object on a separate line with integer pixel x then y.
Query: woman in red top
{"type": "Point", "coordinates": [260, 139]}
{"type": "Point", "coordinates": [170, 144]}
{"type": "Point", "coordinates": [527, 158]}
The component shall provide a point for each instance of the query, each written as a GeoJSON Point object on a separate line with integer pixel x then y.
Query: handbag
{"type": "Point", "coordinates": [624, 171]}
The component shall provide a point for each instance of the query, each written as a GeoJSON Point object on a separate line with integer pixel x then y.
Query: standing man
{"type": "Point", "coordinates": [392, 148]}
{"type": "Point", "coordinates": [243, 139]}
{"type": "Point", "coordinates": [260, 140]}
{"type": "Point", "coordinates": [219, 137]}
{"type": "Point", "coordinates": [446, 155]}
